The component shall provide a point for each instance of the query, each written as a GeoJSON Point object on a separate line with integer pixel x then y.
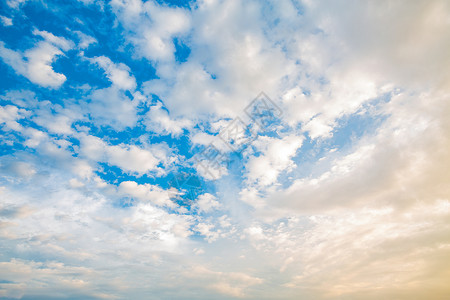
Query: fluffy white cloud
{"type": "Point", "coordinates": [35, 63]}
{"type": "Point", "coordinates": [118, 74]}
{"type": "Point", "coordinates": [152, 27]}
{"type": "Point", "coordinates": [379, 168]}
{"type": "Point", "coordinates": [112, 107]}
{"type": "Point", "coordinates": [129, 158]}
{"type": "Point", "coordinates": [50, 226]}
{"type": "Point", "coordinates": [21, 98]}
{"type": "Point", "coordinates": [6, 21]}
{"type": "Point", "coordinates": [15, 3]}
{"type": "Point", "coordinates": [249, 63]}
{"type": "Point", "coordinates": [56, 119]}
{"type": "Point", "coordinates": [146, 192]}
{"type": "Point", "coordinates": [275, 158]}
{"type": "Point", "coordinates": [9, 115]}
{"type": "Point", "coordinates": [159, 121]}
{"type": "Point", "coordinates": [85, 40]}
{"type": "Point", "coordinates": [206, 203]}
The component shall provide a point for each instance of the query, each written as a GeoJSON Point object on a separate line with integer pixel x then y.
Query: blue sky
{"type": "Point", "coordinates": [224, 149]}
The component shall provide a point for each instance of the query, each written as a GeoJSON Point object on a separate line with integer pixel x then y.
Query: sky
{"type": "Point", "coordinates": [271, 149]}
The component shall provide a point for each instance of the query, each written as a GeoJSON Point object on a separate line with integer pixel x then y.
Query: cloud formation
{"type": "Point", "coordinates": [35, 63]}
{"type": "Point", "coordinates": [131, 167]}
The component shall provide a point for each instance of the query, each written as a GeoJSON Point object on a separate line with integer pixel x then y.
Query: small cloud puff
{"type": "Point", "coordinates": [118, 74]}
{"type": "Point", "coordinates": [158, 120]}
{"type": "Point", "coordinates": [206, 203]}
{"type": "Point", "coordinates": [6, 21]}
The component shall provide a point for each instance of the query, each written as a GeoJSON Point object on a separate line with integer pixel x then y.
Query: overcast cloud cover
{"type": "Point", "coordinates": [109, 110]}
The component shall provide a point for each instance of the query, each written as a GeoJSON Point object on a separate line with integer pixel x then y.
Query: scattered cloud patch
{"type": "Point", "coordinates": [36, 63]}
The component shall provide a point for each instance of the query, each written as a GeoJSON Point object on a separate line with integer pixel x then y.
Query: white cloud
{"type": "Point", "coordinates": [29, 276]}
{"type": "Point", "coordinates": [75, 183]}
{"type": "Point", "coordinates": [385, 43]}
{"type": "Point", "coordinates": [49, 228]}
{"type": "Point", "coordinates": [19, 169]}
{"type": "Point", "coordinates": [39, 69]}
{"type": "Point", "coordinates": [380, 167]}
{"type": "Point", "coordinates": [382, 241]}
{"type": "Point", "coordinates": [112, 107]}
{"type": "Point", "coordinates": [159, 121]}
{"type": "Point", "coordinates": [118, 74]}
{"type": "Point", "coordinates": [35, 63]}
{"type": "Point", "coordinates": [59, 42]}
{"type": "Point", "coordinates": [6, 21]}
{"type": "Point", "coordinates": [152, 26]}
{"type": "Point", "coordinates": [206, 203]}
{"type": "Point", "coordinates": [56, 119]}
{"type": "Point", "coordinates": [9, 115]}
{"type": "Point", "coordinates": [146, 192]}
{"type": "Point", "coordinates": [82, 168]}
{"type": "Point", "coordinates": [129, 158]}
{"type": "Point", "coordinates": [149, 222]}
{"type": "Point", "coordinates": [211, 169]}
{"type": "Point", "coordinates": [21, 98]}
{"type": "Point", "coordinates": [251, 196]}
{"type": "Point", "coordinates": [15, 3]}
{"type": "Point", "coordinates": [369, 220]}
{"type": "Point", "coordinates": [275, 158]}
{"type": "Point", "coordinates": [132, 158]}
{"type": "Point", "coordinates": [207, 230]}
{"type": "Point", "coordinates": [232, 284]}
{"type": "Point", "coordinates": [249, 63]}
{"type": "Point", "coordinates": [85, 40]}
{"type": "Point", "coordinates": [90, 2]}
